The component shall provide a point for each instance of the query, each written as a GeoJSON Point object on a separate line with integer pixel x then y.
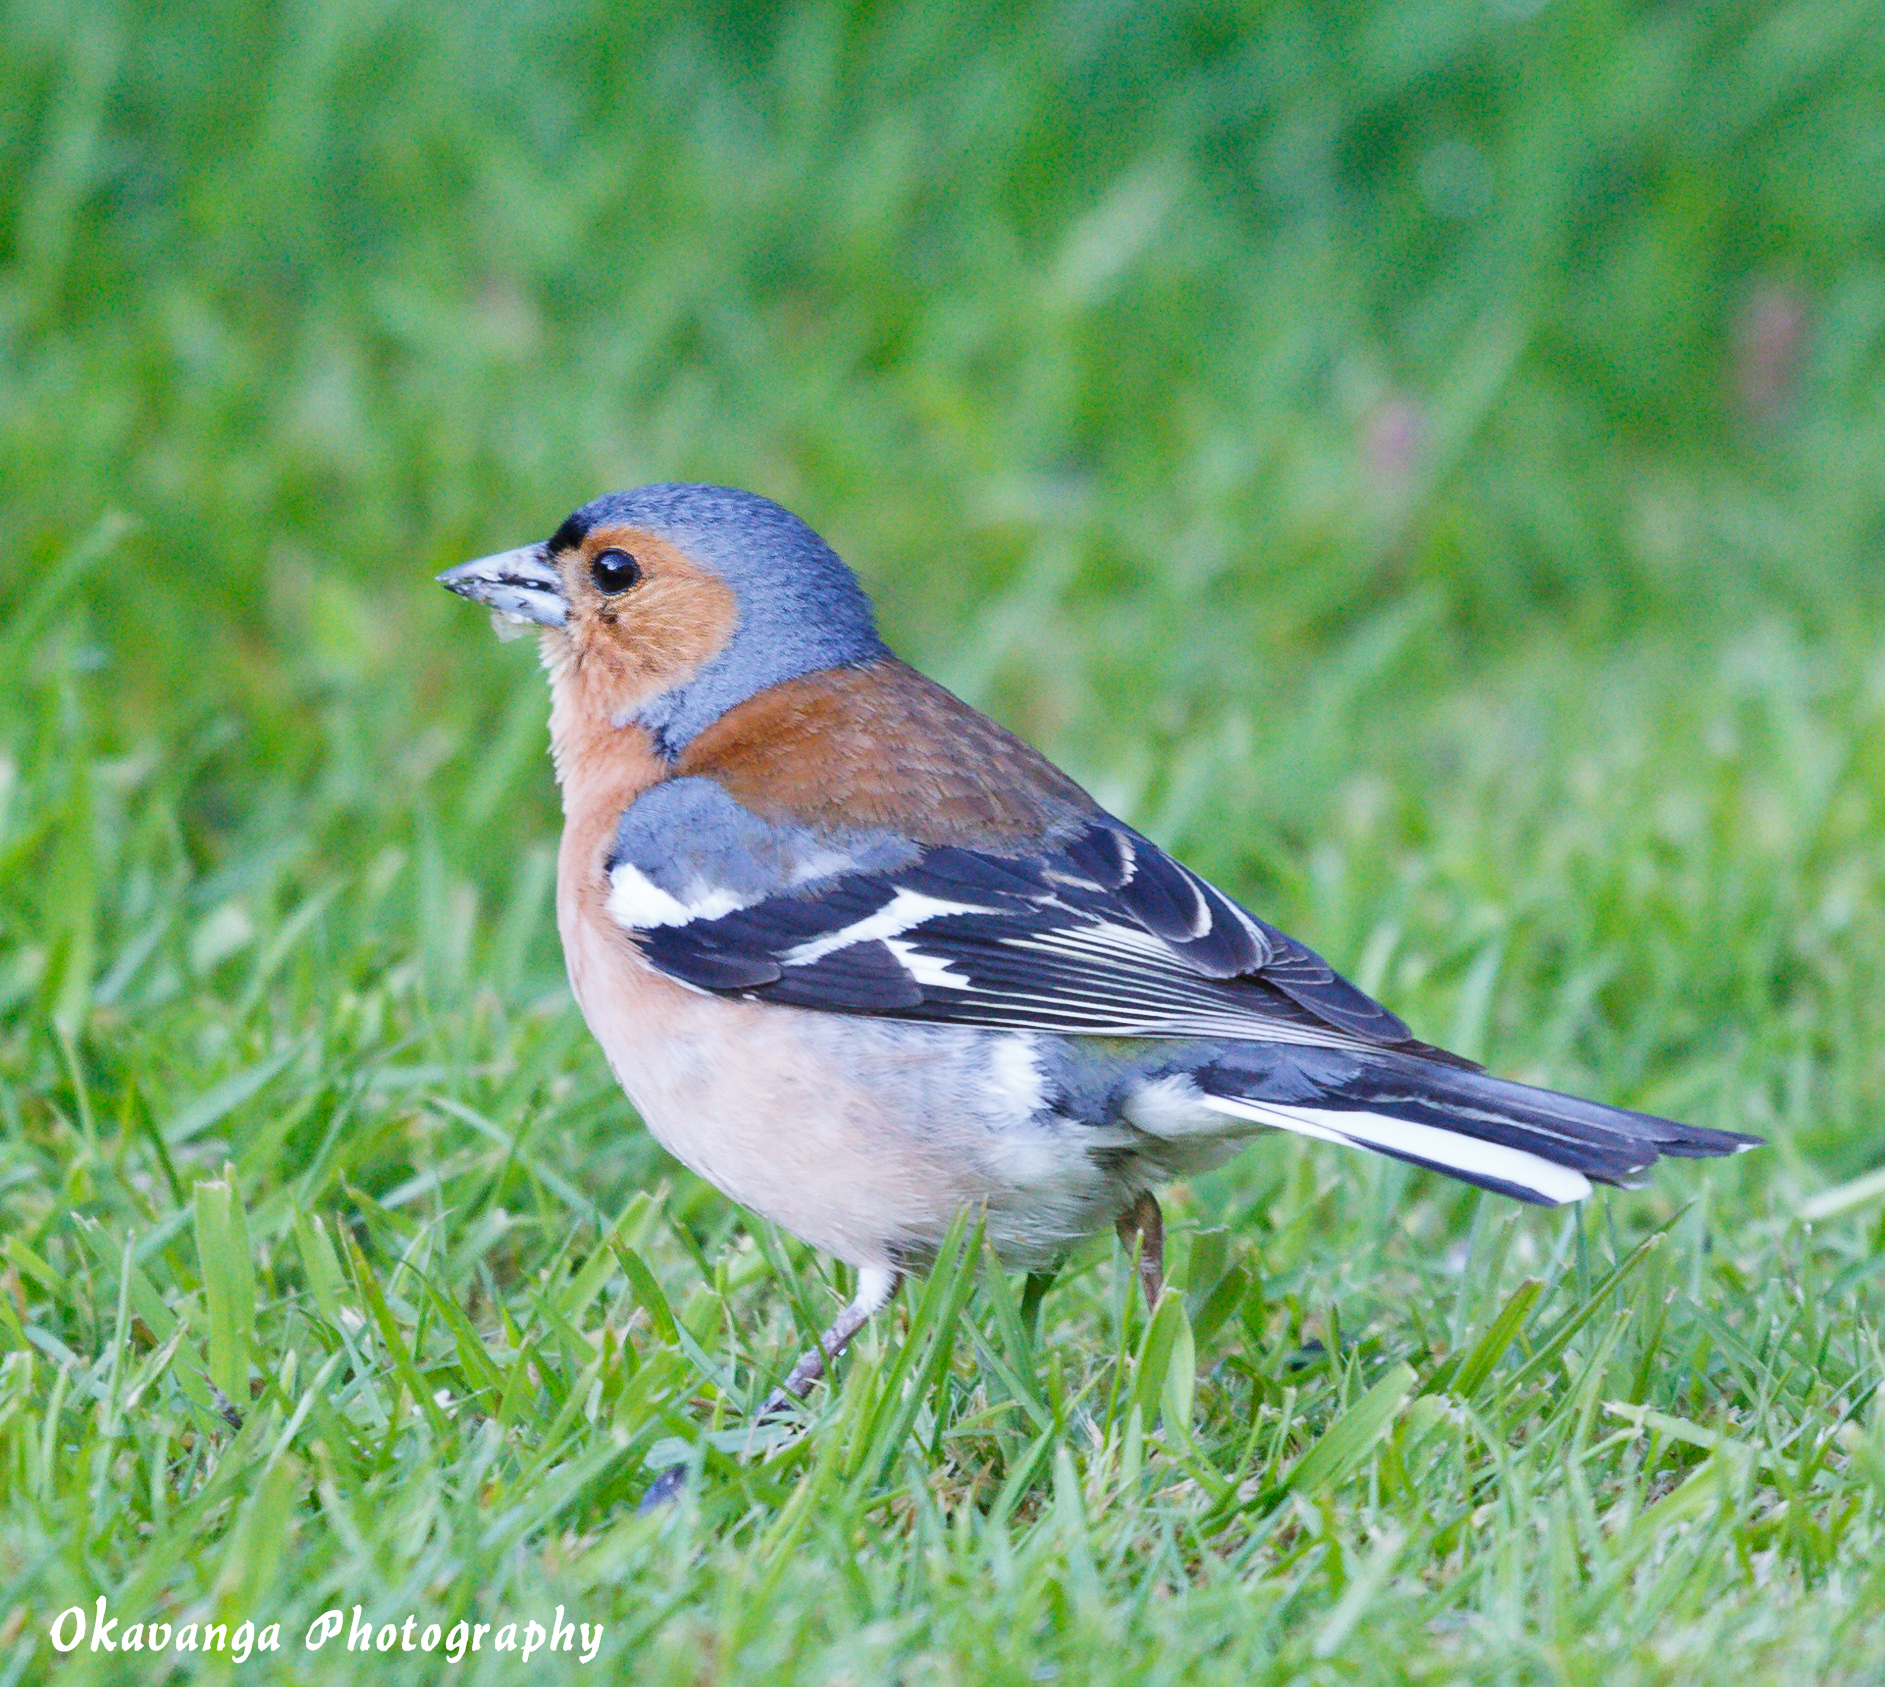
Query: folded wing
{"type": "Point", "coordinates": [1098, 932]}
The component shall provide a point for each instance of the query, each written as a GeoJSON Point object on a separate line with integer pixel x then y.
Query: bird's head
{"type": "Point", "coordinates": [668, 605]}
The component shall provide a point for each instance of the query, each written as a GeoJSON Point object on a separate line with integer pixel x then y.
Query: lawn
{"type": "Point", "coordinates": [1423, 463]}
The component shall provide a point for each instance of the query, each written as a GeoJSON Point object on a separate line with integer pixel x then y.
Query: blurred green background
{"type": "Point", "coordinates": [1423, 462]}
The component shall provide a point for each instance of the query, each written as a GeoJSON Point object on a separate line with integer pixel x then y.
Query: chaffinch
{"type": "Point", "coordinates": [861, 958]}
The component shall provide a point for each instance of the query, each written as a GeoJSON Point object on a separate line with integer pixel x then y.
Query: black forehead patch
{"type": "Point", "coordinates": [574, 530]}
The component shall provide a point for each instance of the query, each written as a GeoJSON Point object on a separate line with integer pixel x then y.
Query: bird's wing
{"type": "Point", "coordinates": [1097, 932]}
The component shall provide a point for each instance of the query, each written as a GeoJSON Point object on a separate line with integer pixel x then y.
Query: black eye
{"type": "Point", "coordinates": [614, 571]}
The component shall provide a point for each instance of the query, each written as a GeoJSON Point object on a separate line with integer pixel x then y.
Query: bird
{"type": "Point", "coordinates": [863, 959]}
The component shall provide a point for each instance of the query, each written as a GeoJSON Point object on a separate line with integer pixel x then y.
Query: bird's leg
{"type": "Point", "coordinates": [1143, 1223]}
{"type": "Point", "coordinates": [875, 1285]}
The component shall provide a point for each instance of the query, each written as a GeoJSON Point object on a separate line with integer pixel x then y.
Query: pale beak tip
{"type": "Point", "coordinates": [519, 584]}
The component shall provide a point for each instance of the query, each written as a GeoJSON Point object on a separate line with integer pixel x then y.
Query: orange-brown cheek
{"type": "Point", "coordinates": [654, 636]}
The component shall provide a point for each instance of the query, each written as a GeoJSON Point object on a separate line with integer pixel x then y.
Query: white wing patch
{"type": "Point", "coordinates": [637, 902]}
{"type": "Point", "coordinates": [906, 909]}
{"type": "Point", "coordinates": [928, 970]}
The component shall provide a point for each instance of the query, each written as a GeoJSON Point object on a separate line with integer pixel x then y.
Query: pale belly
{"type": "Point", "coordinates": [865, 1137]}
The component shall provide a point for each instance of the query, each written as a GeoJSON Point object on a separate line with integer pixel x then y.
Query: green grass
{"type": "Point", "coordinates": [1424, 464]}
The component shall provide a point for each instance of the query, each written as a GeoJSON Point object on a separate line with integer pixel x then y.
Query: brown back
{"type": "Point", "coordinates": [883, 745]}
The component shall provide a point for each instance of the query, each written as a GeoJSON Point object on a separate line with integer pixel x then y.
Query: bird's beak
{"type": "Point", "coordinates": [520, 585]}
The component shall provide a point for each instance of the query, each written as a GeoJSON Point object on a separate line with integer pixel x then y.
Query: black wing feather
{"type": "Point", "coordinates": [859, 978]}
{"type": "Point", "coordinates": [1104, 934]}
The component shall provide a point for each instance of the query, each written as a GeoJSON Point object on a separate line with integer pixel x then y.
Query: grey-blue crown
{"type": "Point", "coordinates": [800, 609]}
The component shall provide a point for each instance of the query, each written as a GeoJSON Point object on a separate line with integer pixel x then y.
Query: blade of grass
{"type": "Point", "coordinates": [222, 1247]}
{"type": "Point", "coordinates": [1339, 1450]}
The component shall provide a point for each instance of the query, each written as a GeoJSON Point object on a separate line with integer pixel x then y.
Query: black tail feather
{"type": "Point", "coordinates": [1356, 1095]}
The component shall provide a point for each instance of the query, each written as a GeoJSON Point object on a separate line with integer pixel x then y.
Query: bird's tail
{"type": "Point", "coordinates": [1533, 1144]}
